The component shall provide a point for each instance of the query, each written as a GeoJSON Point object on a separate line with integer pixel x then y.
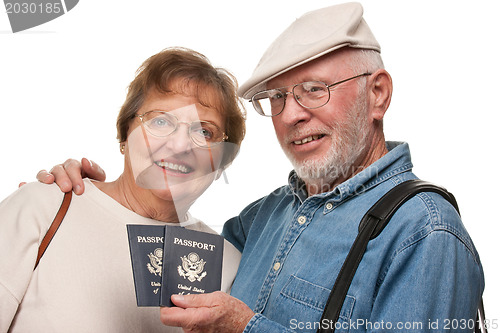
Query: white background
{"type": "Point", "coordinates": [62, 84]}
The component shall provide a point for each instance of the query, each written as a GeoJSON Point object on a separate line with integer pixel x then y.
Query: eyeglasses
{"type": "Point", "coordinates": [310, 95]}
{"type": "Point", "coordinates": [203, 133]}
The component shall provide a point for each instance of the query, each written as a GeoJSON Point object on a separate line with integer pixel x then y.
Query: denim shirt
{"type": "Point", "coordinates": [422, 273]}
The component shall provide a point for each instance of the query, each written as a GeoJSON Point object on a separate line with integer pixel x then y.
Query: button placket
{"type": "Point", "coordinates": [294, 231]}
{"type": "Point", "coordinates": [301, 219]}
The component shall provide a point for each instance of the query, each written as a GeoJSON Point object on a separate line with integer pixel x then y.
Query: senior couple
{"type": "Point", "coordinates": [326, 95]}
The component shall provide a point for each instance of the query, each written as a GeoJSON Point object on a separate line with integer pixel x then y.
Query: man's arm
{"type": "Point", "coordinates": [236, 229]}
{"type": "Point", "coordinates": [435, 281]}
{"type": "Point", "coordinates": [69, 175]}
{"type": "Point", "coordinates": [216, 312]}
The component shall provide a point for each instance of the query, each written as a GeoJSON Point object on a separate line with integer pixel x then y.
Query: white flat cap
{"type": "Point", "coordinates": [312, 35]}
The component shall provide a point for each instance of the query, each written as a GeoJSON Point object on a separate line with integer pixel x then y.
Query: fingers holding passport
{"type": "Point", "coordinates": [213, 312]}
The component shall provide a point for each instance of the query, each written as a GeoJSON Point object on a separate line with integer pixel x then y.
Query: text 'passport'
{"type": "Point", "coordinates": [169, 260]}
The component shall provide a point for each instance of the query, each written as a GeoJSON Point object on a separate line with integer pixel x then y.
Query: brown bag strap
{"type": "Point", "coordinates": [53, 227]}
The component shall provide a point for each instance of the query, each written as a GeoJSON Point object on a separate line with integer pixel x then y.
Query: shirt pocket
{"type": "Point", "coordinates": [304, 303]}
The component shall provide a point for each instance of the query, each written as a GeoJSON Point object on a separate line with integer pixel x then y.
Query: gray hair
{"type": "Point", "coordinates": [365, 61]}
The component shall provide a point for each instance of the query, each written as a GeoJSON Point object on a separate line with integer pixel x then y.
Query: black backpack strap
{"type": "Point", "coordinates": [371, 225]}
{"type": "Point", "coordinates": [386, 206]}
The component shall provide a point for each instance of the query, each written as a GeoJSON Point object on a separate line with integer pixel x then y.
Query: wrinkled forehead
{"type": "Point", "coordinates": [325, 69]}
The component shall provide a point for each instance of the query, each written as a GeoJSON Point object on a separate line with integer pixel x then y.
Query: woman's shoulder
{"type": "Point", "coordinates": [36, 191]}
{"type": "Point", "coordinates": [27, 213]}
{"type": "Point", "coordinates": [34, 197]}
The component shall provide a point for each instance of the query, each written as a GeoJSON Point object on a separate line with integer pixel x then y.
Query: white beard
{"type": "Point", "coordinates": [349, 140]}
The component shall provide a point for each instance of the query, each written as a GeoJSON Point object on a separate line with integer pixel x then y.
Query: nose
{"type": "Point", "coordinates": [179, 141]}
{"type": "Point", "coordinates": [293, 113]}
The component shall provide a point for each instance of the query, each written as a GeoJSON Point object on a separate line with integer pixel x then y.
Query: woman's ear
{"type": "Point", "coordinates": [122, 147]}
{"type": "Point", "coordinates": [380, 91]}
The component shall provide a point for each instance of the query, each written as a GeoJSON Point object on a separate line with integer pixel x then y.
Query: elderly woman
{"type": "Point", "coordinates": [179, 127]}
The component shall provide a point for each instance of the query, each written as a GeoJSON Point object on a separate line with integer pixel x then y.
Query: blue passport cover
{"type": "Point", "coordinates": [192, 263]}
{"type": "Point", "coordinates": [171, 259]}
{"type": "Point", "coordinates": [146, 252]}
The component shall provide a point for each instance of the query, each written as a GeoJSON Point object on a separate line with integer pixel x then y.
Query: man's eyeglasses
{"type": "Point", "coordinates": [310, 95]}
{"type": "Point", "coordinates": [203, 133]}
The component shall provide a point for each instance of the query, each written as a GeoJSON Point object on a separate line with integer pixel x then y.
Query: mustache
{"type": "Point", "coordinates": [304, 132]}
{"type": "Point", "coordinates": [329, 129]}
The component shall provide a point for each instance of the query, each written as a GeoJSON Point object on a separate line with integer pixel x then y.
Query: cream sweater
{"type": "Point", "coordinates": [84, 281]}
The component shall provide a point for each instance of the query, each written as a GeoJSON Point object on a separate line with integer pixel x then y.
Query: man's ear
{"type": "Point", "coordinates": [380, 92]}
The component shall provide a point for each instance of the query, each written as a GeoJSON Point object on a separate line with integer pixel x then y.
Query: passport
{"type": "Point", "coordinates": [192, 263]}
{"type": "Point", "coordinates": [146, 252]}
{"type": "Point", "coordinates": [170, 260]}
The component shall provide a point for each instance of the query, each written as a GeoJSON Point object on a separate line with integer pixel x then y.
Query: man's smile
{"type": "Point", "coordinates": [308, 139]}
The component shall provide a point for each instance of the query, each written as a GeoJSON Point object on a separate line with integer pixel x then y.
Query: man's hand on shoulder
{"type": "Point", "coordinates": [69, 175]}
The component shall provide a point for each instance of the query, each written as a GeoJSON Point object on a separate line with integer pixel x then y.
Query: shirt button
{"type": "Point", "coordinates": [276, 266]}
{"type": "Point", "coordinates": [302, 219]}
{"type": "Point", "coordinates": [329, 206]}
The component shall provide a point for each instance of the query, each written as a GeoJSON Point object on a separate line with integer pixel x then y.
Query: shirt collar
{"type": "Point", "coordinates": [297, 186]}
{"type": "Point", "coordinates": [397, 160]}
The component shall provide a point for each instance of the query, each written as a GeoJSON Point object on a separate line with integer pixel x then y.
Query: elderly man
{"type": "Point", "coordinates": [323, 84]}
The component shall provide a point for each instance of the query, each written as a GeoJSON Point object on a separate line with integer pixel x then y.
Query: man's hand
{"type": "Point", "coordinates": [70, 174]}
{"type": "Point", "coordinates": [214, 312]}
